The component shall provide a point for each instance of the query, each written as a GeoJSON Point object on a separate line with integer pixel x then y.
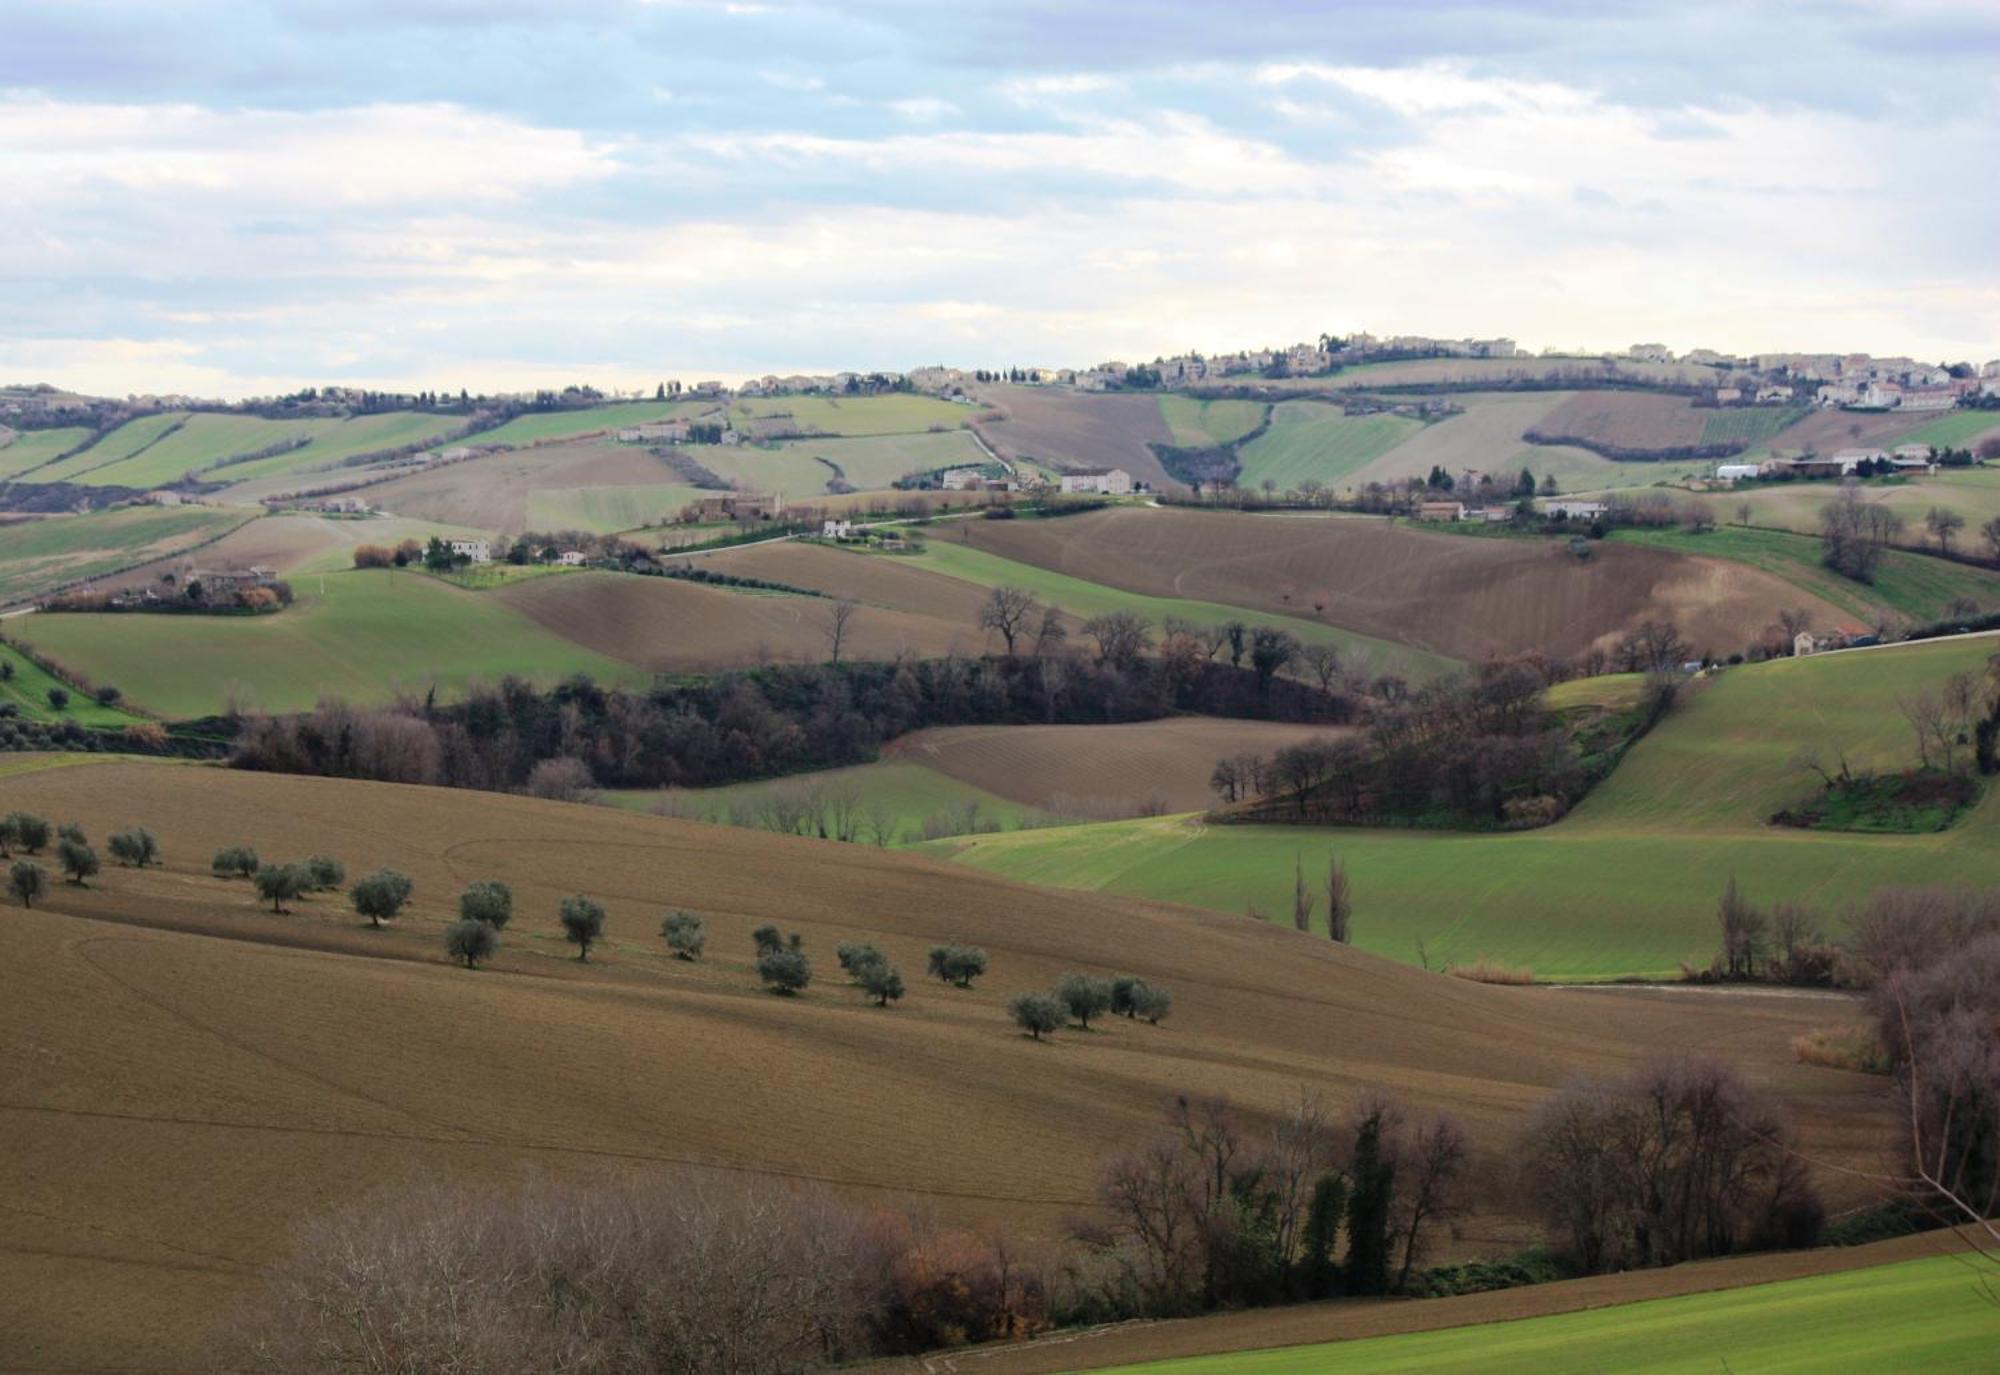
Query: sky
{"type": "Point", "coordinates": [231, 199]}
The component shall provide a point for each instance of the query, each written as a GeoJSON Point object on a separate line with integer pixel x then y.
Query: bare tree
{"type": "Point", "coordinates": [1007, 610]}
{"type": "Point", "coordinates": [1944, 525]}
{"type": "Point", "coordinates": [1302, 896]}
{"type": "Point", "coordinates": [1121, 636]}
{"type": "Point", "coordinates": [1050, 633]}
{"type": "Point", "coordinates": [1431, 1185]}
{"type": "Point", "coordinates": [838, 621]}
{"type": "Point", "coordinates": [1322, 661]}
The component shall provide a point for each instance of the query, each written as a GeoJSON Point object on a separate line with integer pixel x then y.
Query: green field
{"type": "Point", "coordinates": [1754, 425]}
{"type": "Point", "coordinates": [550, 425]}
{"type": "Point", "coordinates": [1953, 429]}
{"type": "Point", "coordinates": [608, 510]}
{"type": "Point", "coordinates": [204, 441]}
{"type": "Point", "coordinates": [1074, 595]}
{"type": "Point", "coordinates": [873, 463]}
{"type": "Point", "coordinates": [1199, 424]}
{"type": "Point", "coordinates": [909, 792]}
{"type": "Point", "coordinates": [361, 635]}
{"type": "Point", "coordinates": [892, 413]}
{"type": "Point", "coordinates": [122, 443]}
{"type": "Point", "coordinates": [1314, 441]}
{"type": "Point", "coordinates": [1910, 584]}
{"type": "Point", "coordinates": [1683, 813]}
{"type": "Point", "coordinates": [38, 555]}
{"type": "Point", "coordinates": [28, 690]}
{"type": "Point", "coordinates": [332, 445]}
{"type": "Point", "coordinates": [31, 448]}
{"type": "Point", "coordinates": [1931, 1315]}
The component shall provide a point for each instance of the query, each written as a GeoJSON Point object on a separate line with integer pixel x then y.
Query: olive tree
{"type": "Point", "coordinates": [134, 847]}
{"type": "Point", "coordinates": [881, 981]}
{"type": "Point", "coordinates": [582, 923]}
{"type": "Point", "coordinates": [957, 964]}
{"type": "Point", "coordinates": [686, 934]}
{"type": "Point", "coordinates": [278, 884]}
{"type": "Point", "coordinates": [786, 969]}
{"type": "Point", "coordinates": [325, 872]}
{"type": "Point", "coordinates": [857, 956]}
{"type": "Point", "coordinates": [1150, 1003]}
{"type": "Point", "coordinates": [471, 940]}
{"type": "Point", "coordinates": [767, 938]}
{"type": "Point", "coordinates": [234, 861]}
{"type": "Point", "coordinates": [27, 881]}
{"type": "Point", "coordinates": [1084, 996]}
{"type": "Point", "coordinates": [488, 900]}
{"type": "Point", "coordinates": [1038, 1014]}
{"type": "Point", "coordinates": [78, 860]}
{"type": "Point", "coordinates": [29, 831]}
{"type": "Point", "coordinates": [381, 895]}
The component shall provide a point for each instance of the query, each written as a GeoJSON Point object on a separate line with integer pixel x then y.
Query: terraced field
{"type": "Point", "coordinates": [1683, 813]}
{"type": "Point", "coordinates": [362, 635]}
{"type": "Point", "coordinates": [191, 1079]}
{"type": "Point", "coordinates": [1318, 442]}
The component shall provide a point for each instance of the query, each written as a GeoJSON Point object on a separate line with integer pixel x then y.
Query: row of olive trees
{"type": "Point", "coordinates": [1079, 998]}
{"type": "Point", "coordinates": [30, 834]}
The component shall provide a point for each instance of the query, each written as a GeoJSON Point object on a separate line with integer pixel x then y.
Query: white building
{"type": "Point", "coordinates": [837, 529]}
{"type": "Point", "coordinates": [1736, 472]}
{"type": "Point", "coordinates": [1574, 510]}
{"type": "Point", "coordinates": [478, 550]}
{"type": "Point", "coordinates": [570, 558]}
{"type": "Point", "coordinates": [959, 479]}
{"type": "Point", "coordinates": [1103, 481]}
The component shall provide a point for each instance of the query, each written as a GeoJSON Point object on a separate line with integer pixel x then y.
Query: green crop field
{"type": "Point", "coordinates": [874, 462]}
{"type": "Point", "coordinates": [893, 413]}
{"type": "Point", "coordinates": [1931, 1314]}
{"type": "Point", "coordinates": [1954, 429]}
{"type": "Point", "coordinates": [607, 510]}
{"type": "Point", "coordinates": [1683, 813]}
{"type": "Point", "coordinates": [27, 688]}
{"type": "Point", "coordinates": [1082, 598]}
{"type": "Point", "coordinates": [333, 444]}
{"type": "Point", "coordinates": [1197, 424]}
{"type": "Point", "coordinates": [909, 793]}
{"type": "Point", "coordinates": [123, 442]}
{"type": "Point", "coordinates": [204, 441]}
{"type": "Point", "coordinates": [41, 554]}
{"type": "Point", "coordinates": [32, 448]}
{"type": "Point", "coordinates": [1910, 584]}
{"type": "Point", "coordinates": [1973, 493]}
{"type": "Point", "coordinates": [363, 635]}
{"type": "Point", "coordinates": [551, 425]}
{"type": "Point", "coordinates": [1754, 425]}
{"type": "Point", "coordinates": [1314, 441]}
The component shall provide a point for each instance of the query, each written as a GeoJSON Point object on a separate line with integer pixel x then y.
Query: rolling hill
{"type": "Point", "coordinates": [190, 1078]}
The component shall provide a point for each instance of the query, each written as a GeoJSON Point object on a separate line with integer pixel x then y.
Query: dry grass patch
{"type": "Point", "coordinates": [1853, 1046]}
{"type": "Point", "coordinates": [1486, 971]}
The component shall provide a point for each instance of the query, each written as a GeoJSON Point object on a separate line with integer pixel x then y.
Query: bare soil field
{"type": "Point", "coordinates": [1456, 595]}
{"type": "Point", "coordinates": [1829, 431]}
{"type": "Point", "coordinates": [1056, 768]}
{"type": "Point", "coordinates": [186, 1078]}
{"type": "Point", "coordinates": [491, 492]}
{"type": "Point", "coordinates": [668, 626]}
{"type": "Point", "coordinates": [1484, 438]}
{"type": "Point", "coordinates": [1627, 420]}
{"type": "Point", "coordinates": [882, 580]}
{"type": "Point", "coordinates": [1068, 429]}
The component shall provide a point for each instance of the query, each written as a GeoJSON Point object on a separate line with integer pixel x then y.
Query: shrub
{"type": "Point", "coordinates": [471, 940]}
{"type": "Point", "coordinates": [582, 923]}
{"type": "Point", "coordinates": [490, 901]}
{"type": "Point", "coordinates": [278, 884]}
{"type": "Point", "coordinates": [78, 860]}
{"type": "Point", "coordinates": [881, 981]}
{"type": "Point", "coordinates": [27, 881]}
{"type": "Point", "coordinates": [234, 861]}
{"type": "Point", "coordinates": [785, 969]}
{"type": "Point", "coordinates": [562, 780]}
{"type": "Point", "coordinates": [957, 964]}
{"type": "Point", "coordinates": [372, 556]}
{"type": "Point", "coordinates": [134, 847]}
{"type": "Point", "coordinates": [381, 895]}
{"type": "Point", "coordinates": [58, 699]}
{"type": "Point", "coordinates": [686, 934]}
{"type": "Point", "coordinates": [1038, 1014]}
{"type": "Point", "coordinates": [107, 696]}
{"type": "Point", "coordinates": [146, 736]}
{"type": "Point", "coordinates": [325, 872]}
{"type": "Point", "coordinates": [1843, 1047]}
{"type": "Point", "coordinates": [1485, 971]}
{"type": "Point", "coordinates": [1084, 996]}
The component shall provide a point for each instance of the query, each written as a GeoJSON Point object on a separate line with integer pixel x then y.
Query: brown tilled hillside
{"type": "Point", "coordinates": [1456, 595]}
{"type": "Point", "coordinates": [186, 1079]}
{"type": "Point", "coordinates": [1068, 429]}
{"type": "Point", "coordinates": [667, 625]}
{"type": "Point", "coordinates": [491, 492]}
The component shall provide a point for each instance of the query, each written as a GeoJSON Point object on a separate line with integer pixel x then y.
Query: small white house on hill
{"type": "Point", "coordinates": [477, 550]}
{"type": "Point", "coordinates": [1103, 481]}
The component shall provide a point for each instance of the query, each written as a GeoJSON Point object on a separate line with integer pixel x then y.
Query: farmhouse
{"type": "Point", "coordinates": [1104, 481]}
{"type": "Point", "coordinates": [744, 506]}
{"type": "Point", "coordinates": [1573, 510]}
{"type": "Point", "coordinates": [1733, 472]}
{"type": "Point", "coordinates": [657, 432]}
{"type": "Point", "coordinates": [1727, 396]}
{"type": "Point", "coordinates": [454, 454]}
{"type": "Point", "coordinates": [837, 529]}
{"type": "Point", "coordinates": [570, 558]}
{"type": "Point", "coordinates": [1440, 510]}
{"type": "Point", "coordinates": [478, 550]}
{"type": "Point", "coordinates": [960, 479]}
{"type": "Point", "coordinates": [254, 576]}
{"type": "Point", "coordinates": [1773, 396]}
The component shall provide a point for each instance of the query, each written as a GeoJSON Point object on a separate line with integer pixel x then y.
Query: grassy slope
{"type": "Point", "coordinates": [1917, 587]}
{"type": "Point", "coordinates": [359, 434]}
{"type": "Point", "coordinates": [895, 413]}
{"type": "Point", "coordinates": [366, 636]}
{"type": "Point", "coordinates": [1091, 599]}
{"type": "Point", "coordinates": [121, 443]}
{"type": "Point", "coordinates": [41, 554]}
{"type": "Point", "coordinates": [875, 461]}
{"type": "Point", "coordinates": [1755, 426]}
{"type": "Point", "coordinates": [1925, 1314]}
{"type": "Point", "coordinates": [1312, 440]}
{"type": "Point", "coordinates": [31, 448]}
{"type": "Point", "coordinates": [1972, 492]}
{"type": "Point", "coordinates": [532, 429]}
{"type": "Point", "coordinates": [1627, 883]}
{"type": "Point", "coordinates": [29, 688]}
{"type": "Point", "coordinates": [204, 441]}
{"type": "Point", "coordinates": [1955, 429]}
{"type": "Point", "coordinates": [607, 510]}
{"type": "Point", "coordinates": [1195, 424]}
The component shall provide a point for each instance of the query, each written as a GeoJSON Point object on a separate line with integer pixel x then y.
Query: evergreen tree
{"type": "Point", "coordinates": [1369, 1208]}
{"type": "Point", "coordinates": [1319, 1272]}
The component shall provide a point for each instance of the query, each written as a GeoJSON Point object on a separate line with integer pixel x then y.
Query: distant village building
{"type": "Point", "coordinates": [1440, 510]}
{"type": "Point", "coordinates": [477, 550]}
{"type": "Point", "coordinates": [1103, 481]}
{"type": "Point", "coordinates": [1774, 395]}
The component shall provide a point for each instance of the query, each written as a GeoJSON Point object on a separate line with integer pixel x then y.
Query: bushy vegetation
{"type": "Point", "coordinates": [685, 933]}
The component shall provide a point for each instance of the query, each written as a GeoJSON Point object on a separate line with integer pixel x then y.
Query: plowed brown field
{"type": "Point", "coordinates": [186, 1079]}
{"type": "Point", "coordinates": [666, 625]}
{"type": "Point", "coordinates": [878, 581]}
{"type": "Point", "coordinates": [1049, 766]}
{"type": "Point", "coordinates": [1066, 429]}
{"type": "Point", "coordinates": [491, 493]}
{"type": "Point", "coordinates": [1456, 595]}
